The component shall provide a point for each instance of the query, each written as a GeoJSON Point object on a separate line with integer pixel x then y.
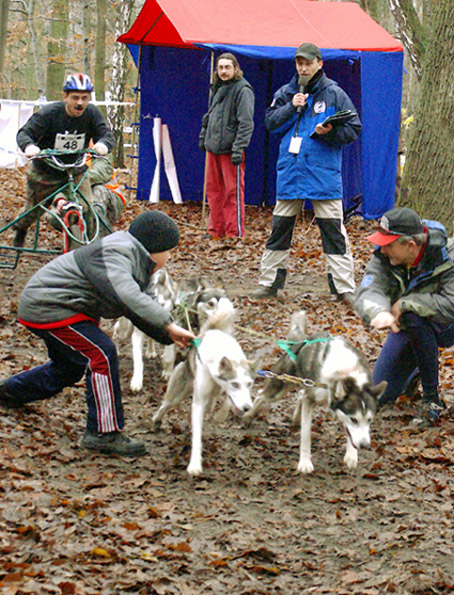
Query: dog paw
{"type": "Point", "coordinates": [351, 459]}
{"type": "Point", "coordinates": [195, 469]}
{"type": "Point", "coordinates": [136, 384]}
{"type": "Point", "coordinates": [305, 466]}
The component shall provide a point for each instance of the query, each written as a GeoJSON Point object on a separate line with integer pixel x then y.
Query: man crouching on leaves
{"type": "Point", "coordinates": [63, 302]}
{"type": "Point", "coordinates": [409, 288]}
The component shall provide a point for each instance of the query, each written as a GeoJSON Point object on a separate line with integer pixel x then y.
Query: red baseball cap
{"type": "Point", "coordinates": [394, 224]}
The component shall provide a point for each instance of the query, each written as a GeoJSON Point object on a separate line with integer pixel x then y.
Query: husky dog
{"type": "Point", "coordinates": [166, 292]}
{"type": "Point", "coordinates": [216, 365]}
{"type": "Point", "coordinates": [337, 375]}
{"type": "Point", "coordinates": [191, 306]}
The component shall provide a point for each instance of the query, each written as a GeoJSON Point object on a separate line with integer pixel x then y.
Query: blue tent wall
{"type": "Point", "coordinates": [174, 85]}
{"type": "Point", "coordinates": [381, 75]}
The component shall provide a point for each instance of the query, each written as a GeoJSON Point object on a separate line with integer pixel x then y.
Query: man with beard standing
{"type": "Point", "coordinates": [225, 134]}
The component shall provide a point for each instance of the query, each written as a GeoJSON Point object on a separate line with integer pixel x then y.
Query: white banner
{"type": "Point", "coordinates": [13, 115]}
{"type": "Point", "coordinates": [154, 190]}
{"type": "Point", "coordinates": [162, 144]}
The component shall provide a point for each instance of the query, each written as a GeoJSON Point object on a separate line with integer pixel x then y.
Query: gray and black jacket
{"type": "Point", "coordinates": [426, 289]}
{"type": "Point", "coordinates": [228, 125]}
{"type": "Point", "coordinates": [107, 279]}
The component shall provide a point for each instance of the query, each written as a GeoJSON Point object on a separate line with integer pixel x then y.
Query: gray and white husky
{"type": "Point", "coordinates": [191, 306]}
{"type": "Point", "coordinates": [165, 290]}
{"type": "Point", "coordinates": [338, 375]}
{"type": "Point", "coordinates": [215, 365]}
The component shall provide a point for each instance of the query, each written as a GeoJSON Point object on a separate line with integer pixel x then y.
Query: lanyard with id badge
{"type": "Point", "coordinates": [70, 142]}
{"type": "Point", "coordinates": [295, 142]}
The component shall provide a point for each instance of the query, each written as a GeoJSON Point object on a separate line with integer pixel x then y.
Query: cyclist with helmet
{"type": "Point", "coordinates": [68, 124]}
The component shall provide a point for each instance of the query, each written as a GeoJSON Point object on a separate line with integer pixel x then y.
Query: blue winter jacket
{"type": "Point", "coordinates": [315, 173]}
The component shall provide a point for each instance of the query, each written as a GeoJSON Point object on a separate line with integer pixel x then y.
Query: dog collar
{"type": "Point", "coordinates": [286, 345]}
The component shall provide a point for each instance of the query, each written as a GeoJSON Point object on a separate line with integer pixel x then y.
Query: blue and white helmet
{"type": "Point", "coordinates": [78, 82]}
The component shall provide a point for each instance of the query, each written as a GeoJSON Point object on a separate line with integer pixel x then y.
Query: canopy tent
{"type": "Point", "coordinates": [172, 41]}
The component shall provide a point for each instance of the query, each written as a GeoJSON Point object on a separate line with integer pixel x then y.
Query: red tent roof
{"type": "Point", "coordinates": [278, 23]}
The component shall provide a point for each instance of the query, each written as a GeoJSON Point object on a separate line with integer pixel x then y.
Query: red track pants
{"type": "Point", "coordinates": [225, 194]}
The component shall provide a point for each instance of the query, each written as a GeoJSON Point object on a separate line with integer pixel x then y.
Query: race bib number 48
{"type": "Point", "coordinates": [70, 142]}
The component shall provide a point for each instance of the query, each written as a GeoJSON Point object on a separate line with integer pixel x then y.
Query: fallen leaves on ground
{"type": "Point", "coordinates": [76, 523]}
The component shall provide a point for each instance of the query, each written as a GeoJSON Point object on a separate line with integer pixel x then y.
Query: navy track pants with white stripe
{"type": "Point", "coordinates": [74, 350]}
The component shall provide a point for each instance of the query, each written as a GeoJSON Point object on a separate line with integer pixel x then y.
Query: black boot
{"type": "Point", "coordinates": [113, 443]}
{"type": "Point", "coordinates": [7, 398]}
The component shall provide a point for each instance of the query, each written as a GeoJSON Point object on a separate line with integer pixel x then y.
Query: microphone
{"type": "Point", "coordinates": [302, 82]}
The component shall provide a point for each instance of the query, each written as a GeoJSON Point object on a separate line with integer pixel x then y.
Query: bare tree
{"type": "Point", "coordinates": [411, 30]}
{"type": "Point", "coordinates": [118, 79]}
{"type": "Point", "coordinates": [86, 28]}
{"type": "Point", "coordinates": [56, 49]}
{"type": "Point", "coordinates": [4, 10]}
{"type": "Point", "coordinates": [100, 48]}
{"type": "Point", "coordinates": [27, 9]}
{"type": "Point", "coordinates": [428, 181]}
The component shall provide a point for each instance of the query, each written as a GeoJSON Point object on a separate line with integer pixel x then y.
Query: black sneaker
{"type": "Point", "coordinates": [263, 293]}
{"type": "Point", "coordinates": [113, 443]}
{"type": "Point", "coordinates": [428, 415]}
{"type": "Point", "coordinates": [7, 399]}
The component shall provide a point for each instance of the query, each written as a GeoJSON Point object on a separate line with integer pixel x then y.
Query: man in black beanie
{"type": "Point", "coordinates": [63, 303]}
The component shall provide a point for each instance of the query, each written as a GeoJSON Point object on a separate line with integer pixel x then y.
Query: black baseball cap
{"type": "Point", "coordinates": [308, 51]}
{"type": "Point", "coordinates": [395, 223]}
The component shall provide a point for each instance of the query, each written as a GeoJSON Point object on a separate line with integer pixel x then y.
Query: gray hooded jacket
{"type": "Point", "coordinates": [106, 279]}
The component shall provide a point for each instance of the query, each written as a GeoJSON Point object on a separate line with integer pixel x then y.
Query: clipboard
{"type": "Point", "coordinates": [337, 119]}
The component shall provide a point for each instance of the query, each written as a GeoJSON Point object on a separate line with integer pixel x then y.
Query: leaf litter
{"type": "Point", "coordinates": [72, 522]}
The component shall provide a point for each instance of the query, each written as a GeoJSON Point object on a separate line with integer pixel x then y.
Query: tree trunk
{"type": "Point", "coordinates": [56, 49]}
{"type": "Point", "coordinates": [86, 27]}
{"type": "Point", "coordinates": [118, 80]}
{"type": "Point", "coordinates": [100, 50]}
{"type": "Point", "coordinates": [4, 8]}
{"type": "Point", "coordinates": [428, 182]}
{"type": "Point", "coordinates": [411, 31]}
{"type": "Point", "coordinates": [29, 11]}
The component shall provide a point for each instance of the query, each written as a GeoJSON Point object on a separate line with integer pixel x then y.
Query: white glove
{"type": "Point", "coordinates": [32, 151]}
{"type": "Point", "coordinates": [101, 149]}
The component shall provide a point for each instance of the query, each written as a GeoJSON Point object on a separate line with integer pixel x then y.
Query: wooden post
{"type": "Point", "coordinates": [204, 197]}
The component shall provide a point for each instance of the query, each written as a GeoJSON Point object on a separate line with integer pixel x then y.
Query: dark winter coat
{"type": "Point", "coordinates": [315, 172]}
{"type": "Point", "coordinates": [228, 125]}
{"type": "Point", "coordinates": [105, 279]}
{"type": "Point", "coordinates": [426, 289]}
{"type": "Point", "coordinates": [43, 126]}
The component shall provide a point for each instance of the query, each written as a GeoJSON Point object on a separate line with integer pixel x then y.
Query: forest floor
{"type": "Point", "coordinates": [77, 523]}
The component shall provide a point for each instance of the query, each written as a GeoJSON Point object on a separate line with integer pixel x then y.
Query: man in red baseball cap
{"type": "Point", "coordinates": [408, 287]}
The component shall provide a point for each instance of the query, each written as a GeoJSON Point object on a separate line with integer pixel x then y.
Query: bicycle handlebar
{"type": "Point", "coordinates": [51, 157]}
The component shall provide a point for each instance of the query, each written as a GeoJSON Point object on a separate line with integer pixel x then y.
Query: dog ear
{"type": "Point", "coordinates": [253, 366]}
{"type": "Point", "coordinates": [377, 390]}
{"type": "Point", "coordinates": [225, 366]}
{"type": "Point", "coordinates": [219, 283]}
{"type": "Point", "coordinates": [339, 389]}
{"type": "Point", "coordinates": [297, 330]}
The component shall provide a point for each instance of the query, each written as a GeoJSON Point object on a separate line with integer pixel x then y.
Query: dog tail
{"type": "Point", "coordinates": [221, 319]}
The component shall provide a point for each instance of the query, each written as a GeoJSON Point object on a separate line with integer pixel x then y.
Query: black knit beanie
{"type": "Point", "coordinates": [156, 231]}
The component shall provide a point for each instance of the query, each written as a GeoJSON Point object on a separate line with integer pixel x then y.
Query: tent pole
{"type": "Point", "coordinates": [134, 117]}
{"type": "Point", "coordinates": [204, 196]}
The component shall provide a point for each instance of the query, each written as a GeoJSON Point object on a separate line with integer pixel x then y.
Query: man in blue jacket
{"type": "Point", "coordinates": [309, 168]}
